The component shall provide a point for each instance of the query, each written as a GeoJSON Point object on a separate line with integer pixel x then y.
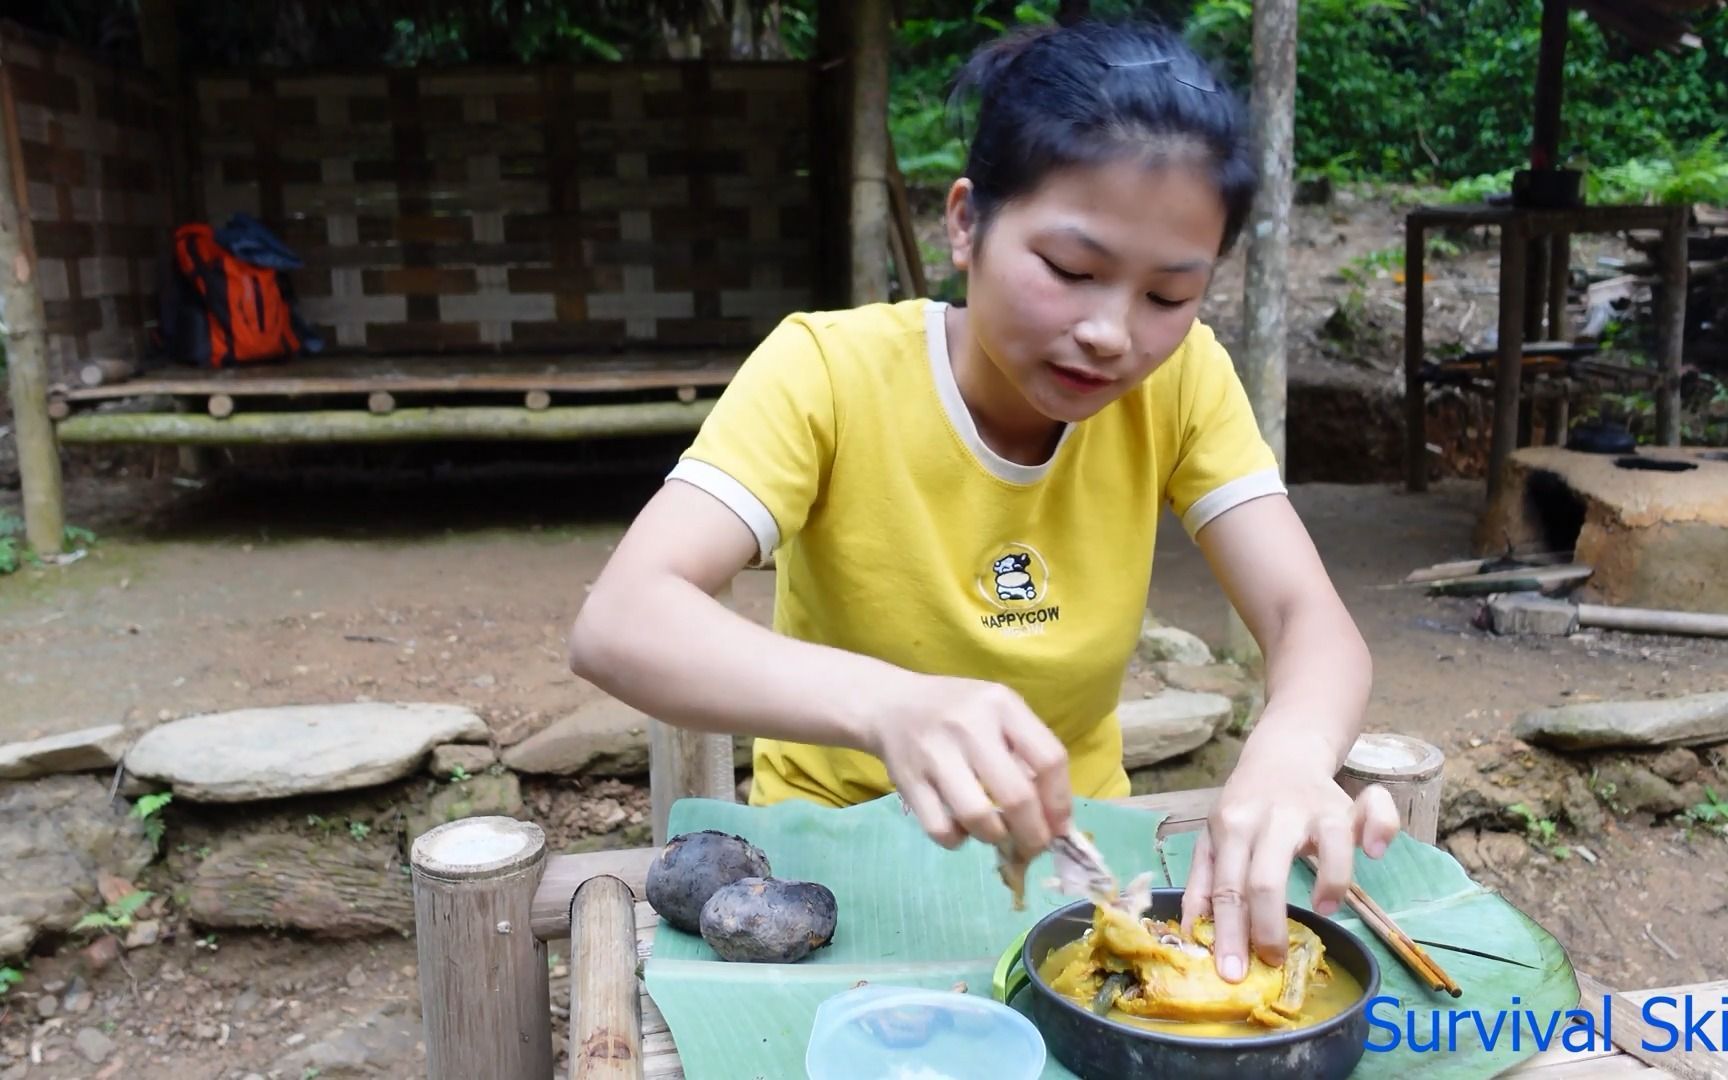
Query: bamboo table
{"type": "Point", "coordinates": [1518, 227]}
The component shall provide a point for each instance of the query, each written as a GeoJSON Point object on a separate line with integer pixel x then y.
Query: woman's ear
{"type": "Point", "coordinates": [961, 221]}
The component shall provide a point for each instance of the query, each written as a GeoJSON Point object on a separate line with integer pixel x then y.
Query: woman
{"type": "Point", "coordinates": [962, 504]}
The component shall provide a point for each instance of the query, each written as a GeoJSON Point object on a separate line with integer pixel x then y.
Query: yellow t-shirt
{"type": "Point", "coordinates": [844, 444]}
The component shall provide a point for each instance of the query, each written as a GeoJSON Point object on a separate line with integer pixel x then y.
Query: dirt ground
{"type": "Point", "coordinates": [335, 577]}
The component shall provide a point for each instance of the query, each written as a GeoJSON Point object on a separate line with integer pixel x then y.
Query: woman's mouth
{"type": "Point", "coordinates": [1081, 382]}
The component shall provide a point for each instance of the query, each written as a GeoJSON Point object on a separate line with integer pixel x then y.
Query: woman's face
{"type": "Point", "coordinates": [1080, 289]}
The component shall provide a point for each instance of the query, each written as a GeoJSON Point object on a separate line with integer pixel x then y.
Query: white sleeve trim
{"type": "Point", "coordinates": [1231, 495]}
{"type": "Point", "coordinates": [738, 498]}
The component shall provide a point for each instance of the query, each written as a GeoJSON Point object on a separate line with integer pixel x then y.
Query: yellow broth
{"type": "Point", "coordinates": [1328, 996]}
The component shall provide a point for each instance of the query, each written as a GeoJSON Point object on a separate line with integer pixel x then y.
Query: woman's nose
{"type": "Point", "coordinates": [1103, 332]}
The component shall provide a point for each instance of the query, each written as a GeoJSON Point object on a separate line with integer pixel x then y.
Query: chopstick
{"type": "Point", "coordinates": [1414, 956]}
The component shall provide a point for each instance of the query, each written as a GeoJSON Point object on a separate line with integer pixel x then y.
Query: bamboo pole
{"type": "Point", "coordinates": [106, 372]}
{"type": "Point", "coordinates": [380, 403]}
{"type": "Point", "coordinates": [537, 400]}
{"type": "Point", "coordinates": [605, 1004]}
{"type": "Point", "coordinates": [1265, 296]}
{"type": "Point", "coordinates": [1415, 395]}
{"type": "Point", "coordinates": [1671, 326]}
{"type": "Point", "coordinates": [26, 334]}
{"type": "Point", "coordinates": [687, 764]}
{"type": "Point", "coordinates": [221, 406]}
{"type": "Point", "coordinates": [870, 149]}
{"type": "Point", "coordinates": [1411, 771]}
{"type": "Point", "coordinates": [1509, 371]}
{"type": "Point", "coordinates": [404, 425]}
{"type": "Point", "coordinates": [484, 999]}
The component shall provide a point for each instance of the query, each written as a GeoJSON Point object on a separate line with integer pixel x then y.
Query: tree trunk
{"type": "Point", "coordinates": [27, 350]}
{"type": "Point", "coordinates": [869, 210]}
{"type": "Point", "coordinates": [1263, 358]}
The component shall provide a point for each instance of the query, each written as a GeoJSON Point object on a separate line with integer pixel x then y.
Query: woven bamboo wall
{"type": "Point", "coordinates": [88, 140]}
{"type": "Point", "coordinates": [562, 208]}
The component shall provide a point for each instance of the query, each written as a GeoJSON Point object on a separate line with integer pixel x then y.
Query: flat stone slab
{"type": "Point", "coordinates": [1695, 720]}
{"type": "Point", "coordinates": [274, 753]}
{"type": "Point", "coordinates": [1159, 642]}
{"type": "Point", "coordinates": [1169, 724]}
{"type": "Point", "coordinates": [76, 751]}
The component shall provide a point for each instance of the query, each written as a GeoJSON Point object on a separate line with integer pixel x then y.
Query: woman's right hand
{"type": "Point", "coordinates": [970, 758]}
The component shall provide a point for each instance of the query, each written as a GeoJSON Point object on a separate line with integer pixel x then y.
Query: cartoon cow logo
{"type": "Point", "coordinates": [1012, 580]}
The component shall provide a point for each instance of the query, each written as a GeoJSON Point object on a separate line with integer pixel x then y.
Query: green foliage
{"type": "Point", "coordinates": [148, 809]}
{"type": "Point", "coordinates": [9, 977]}
{"type": "Point", "coordinates": [1711, 814]}
{"type": "Point", "coordinates": [15, 552]}
{"type": "Point", "coordinates": [116, 916]}
{"type": "Point", "coordinates": [1540, 831]}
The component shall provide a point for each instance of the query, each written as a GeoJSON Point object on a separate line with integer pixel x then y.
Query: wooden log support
{"type": "Point", "coordinates": [1559, 284]}
{"type": "Point", "coordinates": [1508, 372]}
{"type": "Point", "coordinates": [537, 400]}
{"type": "Point", "coordinates": [484, 998]}
{"type": "Point", "coordinates": [380, 403]}
{"type": "Point", "coordinates": [404, 425]}
{"type": "Point", "coordinates": [1671, 326]}
{"type": "Point", "coordinates": [686, 394]}
{"type": "Point", "coordinates": [1411, 772]}
{"type": "Point", "coordinates": [106, 372]}
{"type": "Point", "coordinates": [59, 408]}
{"type": "Point", "coordinates": [869, 150]}
{"type": "Point", "coordinates": [1415, 396]}
{"type": "Point", "coordinates": [687, 764]}
{"type": "Point", "coordinates": [26, 338]}
{"type": "Point", "coordinates": [221, 406]}
{"type": "Point", "coordinates": [605, 1002]}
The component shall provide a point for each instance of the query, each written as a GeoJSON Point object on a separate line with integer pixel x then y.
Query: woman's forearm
{"type": "Point", "coordinates": [1319, 675]}
{"type": "Point", "coordinates": [662, 645]}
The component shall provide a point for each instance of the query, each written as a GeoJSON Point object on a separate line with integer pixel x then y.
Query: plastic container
{"type": "Point", "coordinates": [907, 1033]}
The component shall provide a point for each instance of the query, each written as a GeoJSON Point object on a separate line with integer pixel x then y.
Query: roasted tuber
{"type": "Point", "coordinates": [692, 867]}
{"type": "Point", "coordinates": [768, 921]}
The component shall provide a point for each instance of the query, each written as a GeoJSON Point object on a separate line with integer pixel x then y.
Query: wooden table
{"type": "Point", "coordinates": [1186, 811]}
{"type": "Point", "coordinates": [1519, 226]}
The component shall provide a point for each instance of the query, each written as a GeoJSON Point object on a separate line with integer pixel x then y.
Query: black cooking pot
{"type": "Point", "coordinates": [1096, 1048]}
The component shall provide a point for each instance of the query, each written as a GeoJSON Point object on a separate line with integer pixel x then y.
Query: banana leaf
{"type": "Point", "coordinates": [914, 914]}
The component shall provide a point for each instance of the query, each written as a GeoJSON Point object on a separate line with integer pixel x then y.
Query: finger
{"type": "Point", "coordinates": [1377, 822]}
{"type": "Point", "coordinates": [1196, 894]}
{"type": "Point", "coordinates": [966, 799]}
{"type": "Point", "coordinates": [1043, 754]}
{"type": "Point", "coordinates": [933, 817]}
{"type": "Point", "coordinates": [1231, 846]}
{"type": "Point", "coordinates": [1008, 786]}
{"type": "Point", "coordinates": [1334, 841]}
{"type": "Point", "coordinates": [1269, 885]}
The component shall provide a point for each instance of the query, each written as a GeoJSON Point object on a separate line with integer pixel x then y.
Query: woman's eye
{"type": "Point", "coordinates": [1164, 301]}
{"type": "Point", "coordinates": [1065, 275]}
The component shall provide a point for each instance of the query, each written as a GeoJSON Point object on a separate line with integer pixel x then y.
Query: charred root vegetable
{"type": "Point", "coordinates": [692, 867]}
{"type": "Point", "coordinates": [768, 921]}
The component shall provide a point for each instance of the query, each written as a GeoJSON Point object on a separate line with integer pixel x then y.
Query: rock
{"type": "Point", "coordinates": [47, 1005]}
{"type": "Point", "coordinates": [356, 977]}
{"type": "Point", "coordinates": [1677, 765]}
{"type": "Point", "coordinates": [1634, 787]}
{"type": "Point", "coordinates": [385, 1042]}
{"type": "Point", "coordinates": [1582, 809]}
{"type": "Point", "coordinates": [477, 796]}
{"type": "Point", "coordinates": [100, 953]}
{"type": "Point", "coordinates": [1687, 721]}
{"type": "Point", "coordinates": [76, 751]}
{"type": "Point", "coordinates": [1522, 613]}
{"type": "Point", "coordinates": [1482, 784]}
{"type": "Point", "coordinates": [143, 934]}
{"type": "Point", "coordinates": [296, 750]}
{"type": "Point", "coordinates": [78, 998]}
{"type": "Point", "coordinates": [1160, 642]}
{"type": "Point", "coordinates": [604, 737]}
{"type": "Point", "coordinates": [1246, 694]}
{"type": "Point", "coordinates": [446, 759]}
{"type": "Point", "coordinates": [331, 885]}
{"type": "Point", "coordinates": [57, 836]}
{"type": "Point", "coordinates": [244, 1004]}
{"type": "Point", "coordinates": [1497, 851]}
{"type": "Point", "coordinates": [92, 1045]}
{"type": "Point", "coordinates": [1169, 723]}
{"type": "Point", "coordinates": [1209, 766]}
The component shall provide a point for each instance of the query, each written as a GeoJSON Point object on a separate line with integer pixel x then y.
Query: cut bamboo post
{"type": "Point", "coordinates": [1411, 772]}
{"type": "Point", "coordinates": [59, 408]}
{"type": "Point", "coordinates": [537, 400]}
{"type": "Point", "coordinates": [687, 764]}
{"type": "Point", "coordinates": [380, 402]}
{"type": "Point", "coordinates": [1671, 326]}
{"type": "Point", "coordinates": [106, 372]}
{"type": "Point", "coordinates": [1509, 370]}
{"type": "Point", "coordinates": [869, 212]}
{"type": "Point", "coordinates": [484, 998]}
{"type": "Point", "coordinates": [686, 394]}
{"type": "Point", "coordinates": [605, 1003]}
{"type": "Point", "coordinates": [221, 406]}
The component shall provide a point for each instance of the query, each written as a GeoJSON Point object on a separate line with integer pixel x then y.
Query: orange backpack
{"type": "Point", "coordinates": [246, 307]}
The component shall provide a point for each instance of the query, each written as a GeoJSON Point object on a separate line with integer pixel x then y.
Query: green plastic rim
{"type": "Point", "coordinates": [1009, 976]}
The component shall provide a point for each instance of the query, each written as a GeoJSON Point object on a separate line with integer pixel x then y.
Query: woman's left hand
{"type": "Point", "coordinates": [1280, 803]}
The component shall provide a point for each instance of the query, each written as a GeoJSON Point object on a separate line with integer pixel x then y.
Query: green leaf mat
{"type": "Point", "coordinates": [914, 914]}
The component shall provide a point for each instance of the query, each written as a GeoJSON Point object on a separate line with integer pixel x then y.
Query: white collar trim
{"type": "Point", "coordinates": [948, 391]}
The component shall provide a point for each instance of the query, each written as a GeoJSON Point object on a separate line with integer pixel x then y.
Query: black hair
{"type": "Point", "coordinates": [1096, 92]}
